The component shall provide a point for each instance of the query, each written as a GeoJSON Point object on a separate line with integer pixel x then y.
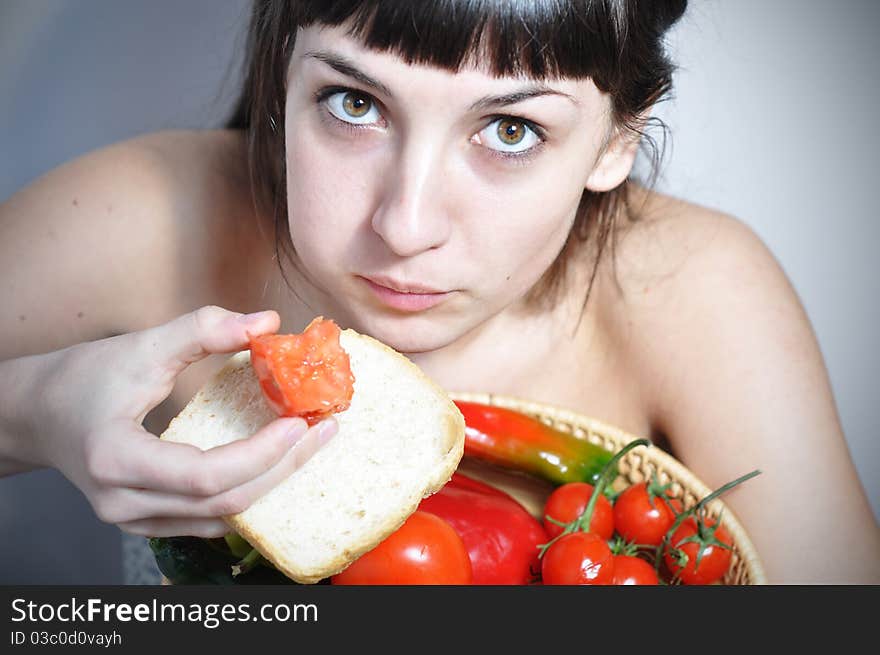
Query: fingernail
{"type": "Point", "coordinates": [255, 317]}
{"type": "Point", "coordinates": [296, 431]}
{"type": "Point", "coordinates": [326, 430]}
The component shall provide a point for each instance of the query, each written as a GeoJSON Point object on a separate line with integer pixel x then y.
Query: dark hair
{"type": "Point", "coordinates": [619, 44]}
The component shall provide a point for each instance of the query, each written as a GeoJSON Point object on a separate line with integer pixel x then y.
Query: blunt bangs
{"type": "Point", "coordinates": [542, 39]}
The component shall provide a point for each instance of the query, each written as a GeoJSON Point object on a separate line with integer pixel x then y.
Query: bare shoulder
{"type": "Point", "coordinates": [703, 301]}
{"type": "Point", "coordinates": [676, 256]}
{"type": "Point", "coordinates": [116, 239]}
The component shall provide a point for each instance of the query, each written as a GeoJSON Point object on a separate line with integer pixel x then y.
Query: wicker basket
{"type": "Point", "coordinates": [636, 466]}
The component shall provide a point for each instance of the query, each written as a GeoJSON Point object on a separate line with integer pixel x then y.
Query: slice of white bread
{"type": "Point", "coordinates": [399, 441]}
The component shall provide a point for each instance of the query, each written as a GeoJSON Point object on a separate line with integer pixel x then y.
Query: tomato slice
{"type": "Point", "coordinates": [306, 375]}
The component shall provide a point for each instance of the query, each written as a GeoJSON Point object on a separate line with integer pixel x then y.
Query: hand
{"type": "Point", "coordinates": [96, 396]}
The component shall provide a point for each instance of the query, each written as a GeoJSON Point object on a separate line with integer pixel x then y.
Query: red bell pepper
{"type": "Point", "coordinates": [514, 440]}
{"type": "Point", "coordinates": [501, 537]}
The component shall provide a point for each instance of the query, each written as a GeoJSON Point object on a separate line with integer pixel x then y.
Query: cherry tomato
{"type": "Point", "coordinates": [630, 570]}
{"type": "Point", "coordinates": [714, 560]}
{"type": "Point", "coordinates": [568, 501]}
{"type": "Point", "coordinates": [307, 375]}
{"type": "Point", "coordinates": [425, 550]}
{"type": "Point", "coordinates": [641, 519]}
{"type": "Point", "coordinates": [578, 558]}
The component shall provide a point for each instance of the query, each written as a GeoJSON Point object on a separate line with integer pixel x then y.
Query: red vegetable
{"type": "Point", "coordinates": [631, 570]}
{"type": "Point", "coordinates": [641, 514]}
{"type": "Point", "coordinates": [569, 501]}
{"type": "Point", "coordinates": [425, 550]}
{"type": "Point", "coordinates": [515, 440]}
{"type": "Point", "coordinates": [307, 375]}
{"type": "Point", "coordinates": [501, 537]}
{"type": "Point", "coordinates": [578, 558]}
{"type": "Point", "coordinates": [699, 551]}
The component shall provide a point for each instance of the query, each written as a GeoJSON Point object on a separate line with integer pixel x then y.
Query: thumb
{"type": "Point", "coordinates": [206, 331]}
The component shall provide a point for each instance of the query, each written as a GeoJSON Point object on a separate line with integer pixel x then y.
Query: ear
{"type": "Point", "coordinates": [615, 162]}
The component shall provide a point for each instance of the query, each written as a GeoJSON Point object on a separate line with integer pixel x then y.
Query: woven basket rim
{"type": "Point", "coordinates": [655, 455]}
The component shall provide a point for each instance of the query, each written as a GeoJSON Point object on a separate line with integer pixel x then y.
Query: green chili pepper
{"type": "Point", "coordinates": [514, 440]}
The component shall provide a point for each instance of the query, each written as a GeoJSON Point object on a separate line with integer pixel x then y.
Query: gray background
{"type": "Point", "coordinates": [773, 121]}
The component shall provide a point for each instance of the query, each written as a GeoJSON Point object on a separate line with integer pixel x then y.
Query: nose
{"type": "Point", "coordinates": [410, 216]}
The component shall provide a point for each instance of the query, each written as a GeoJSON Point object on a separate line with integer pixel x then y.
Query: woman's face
{"type": "Point", "coordinates": [424, 203]}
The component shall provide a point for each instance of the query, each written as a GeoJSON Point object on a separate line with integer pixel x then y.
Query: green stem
{"type": "Point", "coordinates": [247, 563]}
{"type": "Point", "coordinates": [237, 544]}
{"type": "Point", "coordinates": [605, 476]}
{"type": "Point", "coordinates": [661, 547]}
{"type": "Point", "coordinates": [583, 523]}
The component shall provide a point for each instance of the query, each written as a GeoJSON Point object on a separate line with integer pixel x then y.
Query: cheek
{"type": "Point", "coordinates": [518, 228]}
{"type": "Point", "coordinates": [326, 199]}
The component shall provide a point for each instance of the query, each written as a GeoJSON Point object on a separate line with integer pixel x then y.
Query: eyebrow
{"type": "Point", "coordinates": [346, 67]}
{"type": "Point", "coordinates": [504, 99]}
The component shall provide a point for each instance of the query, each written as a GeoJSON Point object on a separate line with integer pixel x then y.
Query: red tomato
{"type": "Point", "coordinates": [425, 550]}
{"type": "Point", "coordinates": [578, 558]}
{"type": "Point", "coordinates": [567, 503]}
{"type": "Point", "coordinates": [714, 560]}
{"type": "Point", "coordinates": [639, 518]}
{"type": "Point", "coordinates": [501, 537]}
{"type": "Point", "coordinates": [629, 570]}
{"type": "Point", "coordinates": [307, 375]}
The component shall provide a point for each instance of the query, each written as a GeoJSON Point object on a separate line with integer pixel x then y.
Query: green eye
{"type": "Point", "coordinates": [355, 105]}
{"type": "Point", "coordinates": [511, 132]}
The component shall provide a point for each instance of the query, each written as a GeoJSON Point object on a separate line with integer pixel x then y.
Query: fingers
{"type": "Point", "coordinates": [173, 527]}
{"type": "Point", "coordinates": [206, 331]}
{"type": "Point", "coordinates": [150, 463]}
{"type": "Point", "coordinates": [128, 504]}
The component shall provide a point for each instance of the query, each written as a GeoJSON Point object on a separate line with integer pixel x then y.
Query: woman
{"type": "Point", "coordinates": [458, 189]}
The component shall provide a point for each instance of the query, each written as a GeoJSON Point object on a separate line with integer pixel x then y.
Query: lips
{"type": "Point", "coordinates": [402, 287]}
{"type": "Point", "coordinates": [407, 297]}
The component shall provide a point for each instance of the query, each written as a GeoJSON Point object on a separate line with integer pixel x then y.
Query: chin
{"type": "Point", "coordinates": [409, 334]}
